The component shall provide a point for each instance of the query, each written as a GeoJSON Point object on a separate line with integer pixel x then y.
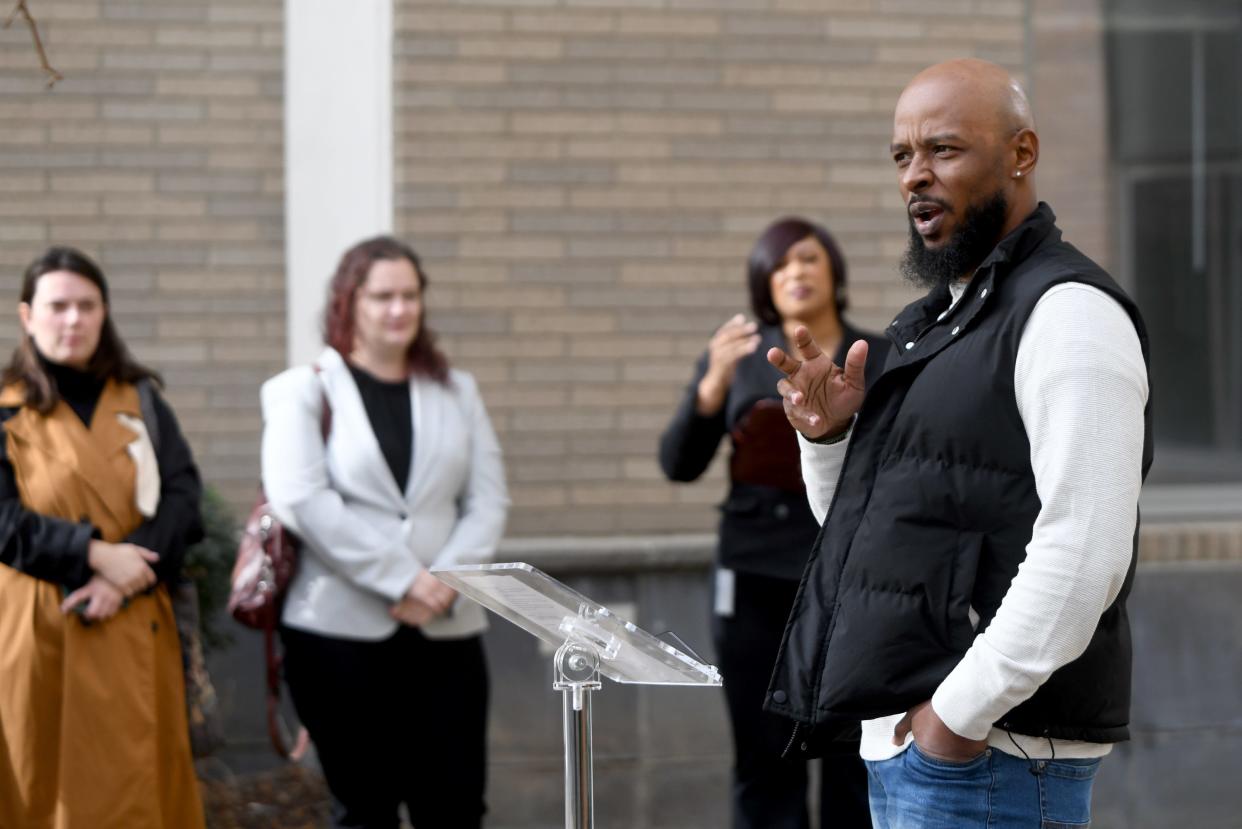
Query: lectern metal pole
{"type": "Point", "coordinates": [576, 675]}
{"type": "Point", "coordinates": [579, 760]}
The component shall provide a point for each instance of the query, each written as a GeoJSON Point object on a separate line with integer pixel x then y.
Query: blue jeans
{"type": "Point", "coordinates": [993, 791]}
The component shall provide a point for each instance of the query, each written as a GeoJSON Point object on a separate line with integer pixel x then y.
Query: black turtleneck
{"type": "Point", "coordinates": [79, 389]}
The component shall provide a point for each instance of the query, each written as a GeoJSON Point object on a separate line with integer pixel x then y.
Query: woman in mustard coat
{"type": "Point", "coordinates": [95, 516]}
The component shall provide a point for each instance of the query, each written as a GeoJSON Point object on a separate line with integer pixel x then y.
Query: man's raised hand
{"type": "Point", "coordinates": [820, 399]}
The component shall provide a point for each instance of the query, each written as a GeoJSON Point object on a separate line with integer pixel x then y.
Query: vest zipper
{"type": "Point", "coordinates": [792, 737]}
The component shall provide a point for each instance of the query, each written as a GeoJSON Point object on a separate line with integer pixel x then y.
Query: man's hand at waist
{"type": "Point", "coordinates": [934, 738]}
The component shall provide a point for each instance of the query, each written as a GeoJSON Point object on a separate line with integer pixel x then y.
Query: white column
{"type": "Point", "coordinates": [338, 147]}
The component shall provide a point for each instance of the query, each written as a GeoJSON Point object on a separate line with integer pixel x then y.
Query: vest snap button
{"type": "Point", "coordinates": [779, 696]}
{"type": "Point", "coordinates": [956, 328]}
{"type": "Point", "coordinates": [983, 294]}
{"type": "Point", "coordinates": [803, 746]}
{"type": "Point", "coordinates": [909, 346]}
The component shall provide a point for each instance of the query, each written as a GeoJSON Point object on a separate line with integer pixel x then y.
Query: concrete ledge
{"type": "Point", "coordinates": [1191, 541]}
{"type": "Point", "coordinates": [1158, 542]}
{"type": "Point", "coordinates": [611, 554]}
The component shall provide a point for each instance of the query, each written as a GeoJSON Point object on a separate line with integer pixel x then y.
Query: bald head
{"type": "Point", "coordinates": [981, 87]}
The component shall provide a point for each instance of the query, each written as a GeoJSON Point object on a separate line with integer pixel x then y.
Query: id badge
{"type": "Point", "coordinates": [725, 581]}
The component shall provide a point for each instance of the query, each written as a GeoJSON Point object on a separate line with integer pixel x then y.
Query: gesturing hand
{"type": "Point", "coordinates": [820, 399]}
{"type": "Point", "coordinates": [731, 342]}
{"type": "Point", "coordinates": [102, 599]}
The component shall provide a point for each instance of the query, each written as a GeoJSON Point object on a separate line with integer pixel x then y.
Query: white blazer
{"type": "Point", "coordinates": [364, 540]}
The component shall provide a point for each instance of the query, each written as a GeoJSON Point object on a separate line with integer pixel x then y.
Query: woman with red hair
{"type": "Point", "coordinates": [385, 667]}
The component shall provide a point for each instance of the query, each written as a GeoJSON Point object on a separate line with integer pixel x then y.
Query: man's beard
{"type": "Point", "coordinates": [965, 250]}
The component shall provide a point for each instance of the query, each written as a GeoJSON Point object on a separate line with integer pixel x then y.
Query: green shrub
{"type": "Point", "coordinates": [209, 565]}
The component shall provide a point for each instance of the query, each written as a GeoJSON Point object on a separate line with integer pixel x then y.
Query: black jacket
{"type": "Point", "coordinates": [934, 509]}
{"type": "Point", "coordinates": [764, 529]}
{"type": "Point", "coordinates": [55, 550]}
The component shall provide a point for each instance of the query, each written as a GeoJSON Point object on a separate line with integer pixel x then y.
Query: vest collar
{"type": "Point", "coordinates": [928, 324]}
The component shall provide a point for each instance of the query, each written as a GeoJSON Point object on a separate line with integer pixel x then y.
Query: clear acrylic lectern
{"type": "Point", "coordinates": [591, 641]}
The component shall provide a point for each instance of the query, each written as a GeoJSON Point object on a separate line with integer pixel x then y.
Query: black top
{"type": "Point", "coordinates": [388, 408]}
{"type": "Point", "coordinates": [78, 389]}
{"type": "Point", "coordinates": [766, 525]}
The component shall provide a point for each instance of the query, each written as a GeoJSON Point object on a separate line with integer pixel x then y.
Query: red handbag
{"type": "Point", "coordinates": [267, 558]}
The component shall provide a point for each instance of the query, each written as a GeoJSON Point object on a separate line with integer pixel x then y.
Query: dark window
{"type": "Point", "coordinates": [1175, 94]}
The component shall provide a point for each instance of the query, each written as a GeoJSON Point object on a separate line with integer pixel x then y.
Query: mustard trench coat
{"type": "Point", "coordinates": [93, 728]}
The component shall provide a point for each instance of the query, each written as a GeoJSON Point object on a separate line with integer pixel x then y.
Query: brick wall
{"type": "Point", "coordinates": [585, 179]}
{"type": "Point", "coordinates": [160, 154]}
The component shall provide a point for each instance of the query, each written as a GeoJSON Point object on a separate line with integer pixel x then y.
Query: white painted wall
{"type": "Point", "coordinates": [338, 147]}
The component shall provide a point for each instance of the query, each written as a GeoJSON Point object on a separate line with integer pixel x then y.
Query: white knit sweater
{"type": "Point", "coordinates": [1081, 387]}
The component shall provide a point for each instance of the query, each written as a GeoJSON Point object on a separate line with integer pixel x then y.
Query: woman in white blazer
{"type": "Point", "coordinates": [385, 667]}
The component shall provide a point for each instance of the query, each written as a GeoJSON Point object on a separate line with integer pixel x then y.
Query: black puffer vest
{"type": "Point", "coordinates": [932, 515]}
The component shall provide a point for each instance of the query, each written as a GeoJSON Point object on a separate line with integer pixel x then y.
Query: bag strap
{"type": "Point", "coordinates": [146, 407]}
{"type": "Point", "coordinates": [271, 655]}
{"type": "Point", "coordinates": [274, 733]}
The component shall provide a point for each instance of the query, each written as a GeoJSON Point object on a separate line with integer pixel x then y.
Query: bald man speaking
{"type": "Point", "coordinates": [967, 596]}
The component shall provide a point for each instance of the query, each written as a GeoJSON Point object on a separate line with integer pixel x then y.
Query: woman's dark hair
{"type": "Point", "coordinates": [111, 359]}
{"type": "Point", "coordinates": [768, 253]}
{"type": "Point", "coordinates": [422, 357]}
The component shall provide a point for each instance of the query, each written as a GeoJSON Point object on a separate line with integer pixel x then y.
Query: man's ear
{"type": "Point", "coordinates": [1025, 148]}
